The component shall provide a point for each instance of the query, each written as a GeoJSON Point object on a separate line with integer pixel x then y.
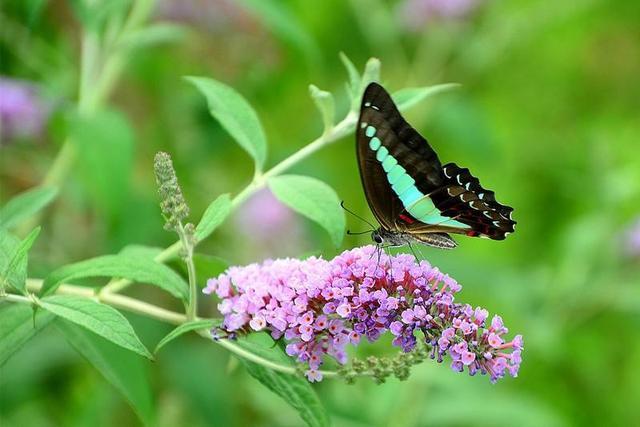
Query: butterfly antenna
{"type": "Point", "coordinates": [356, 215]}
{"type": "Point", "coordinates": [351, 233]}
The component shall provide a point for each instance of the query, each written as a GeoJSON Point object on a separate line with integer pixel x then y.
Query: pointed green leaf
{"type": "Point", "coordinates": [235, 115]}
{"type": "Point", "coordinates": [15, 273]}
{"type": "Point", "coordinates": [141, 250]}
{"type": "Point", "coordinates": [215, 214]}
{"type": "Point", "coordinates": [408, 97]}
{"type": "Point", "coordinates": [184, 328]}
{"type": "Point", "coordinates": [371, 74]}
{"type": "Point", "coordinates": [294, 389]}
{"type": "Point", "coordinates": [17, 327]}
{"type": "Point", "coordinates": [313, 199]}
{"type": "Point", "coordinates": [138, 268]}
{"type": "Point", "coordinates": [25, 205]}
{"type": "Point", "coordinates": [325, 104]}
{"type": "Point", "coordinates": [355, 81]}
{"type": "Point", "coordinates": [100, 319]}
{"type": "Point", "coordinates": [124, 370]}
{"type": "Point", "coordinates": [8, 247]}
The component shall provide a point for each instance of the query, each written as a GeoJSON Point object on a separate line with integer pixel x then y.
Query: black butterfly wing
{"type": "Point", "coordinates": [462, 197]}
{"type": "Point", "coordinates": [406, 186]}
{"type": "Point", "coordinates": [405, 145]}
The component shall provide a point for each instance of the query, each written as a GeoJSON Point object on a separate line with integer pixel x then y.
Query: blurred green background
{"type": "Point", "coordinates": [547, 116]}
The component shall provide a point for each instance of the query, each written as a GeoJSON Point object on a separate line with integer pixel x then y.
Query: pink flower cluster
{"type": "Point", "coordinates": [319, 307]}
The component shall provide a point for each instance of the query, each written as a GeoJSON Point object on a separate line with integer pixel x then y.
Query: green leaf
{"type": "Point", "coordinates": [123, 369]}
{"type": "Point", "coordinates": [104, 142]}
{"type": "Point", "coordinates": [25, 205]}
{"type": "Point", "coordinates": [15, 273]}
{"type": "Point", "coordinates": [371, 74]}
{"type": "Point", "coordinates": [8, 247]}
{"type": "Point", "coordinates": [184, 328]}
{"type": "Point", "coordinates": [100, 319]}
{"type": "Point", "coordinates": [408, 97]}
{"type": "Point", "coordinates": [141, 250]}
{"type": "Point", "coordinates": [355, 81]}
{"type": "Point", "coordinates": [313, 199]}
{"type": "Point", "coordinates": [216, 212]}
{"type": "Point", "coordinates": [326, 106]}
{"type": "Point", "coordinates": [17, 327]}
{"type": "Point", "coordinates": [294, 389]}
{"type": "Point", "coordinates": [138, 268]}
{"type": "Point", "coordinates": [235, 115]}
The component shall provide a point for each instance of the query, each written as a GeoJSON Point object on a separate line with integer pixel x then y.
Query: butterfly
{"type": "Point", "coordinates": [412, 195]}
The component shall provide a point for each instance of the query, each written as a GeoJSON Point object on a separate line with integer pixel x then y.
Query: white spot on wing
{"type": "Point", "coordinates": [485, 213]}
{"type": "Point", "coordinates": [375, 108]}
{"type": "Point", "coordinates": [458, 179]}
{"type": "Point", "coordinates": [462, 197]}
{"type": "Point", "coordinates": [481, 196]}
{"type": "Point", "coordinates": [363, 125]}
{"type": "Point", "coordinates": [367, 104]}
{"type": "Point", "coordinates": [446, 174]}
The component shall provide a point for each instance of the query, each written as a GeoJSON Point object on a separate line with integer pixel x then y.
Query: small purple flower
{"type": "Point", "coordinates": [494, 340]}
{"type": "Point", "coordinates": [396, 328]}
{"type": "Point", "coordinates": [632, 240]}
{"type": "Point", "coordinates": [407, 316]}
{"type": "Point", "coordinates": [269, 225]}
{"type": "Point", "coordinates": [319, 307]}
{"type": "Point", "coordinates": [344, 310]}
{"type": "Point", "coordinates": [257, 323]}
{"type": "Point", "coordinates": [468, 358]}
{"type": "Point", "coordinates": [417, 13]}
{"type": "Point", "coordinates": [23, 112]}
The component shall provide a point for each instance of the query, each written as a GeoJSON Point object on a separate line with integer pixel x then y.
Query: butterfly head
{"type": "Point", "coordinates": [376, 236]}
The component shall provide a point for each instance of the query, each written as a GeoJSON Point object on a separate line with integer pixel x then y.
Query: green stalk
{"type": "Point", "coordinates": [186, 238]}
{"type": "Point", "coordinates": [135, 306]}
{"type": "Point", "coordinates": [100, 69]}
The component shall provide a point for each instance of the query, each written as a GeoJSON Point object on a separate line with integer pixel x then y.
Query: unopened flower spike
{"type": "Point", "coordinates": [173, 205]}
{"type": "Point", "coordinates": [319, 307]}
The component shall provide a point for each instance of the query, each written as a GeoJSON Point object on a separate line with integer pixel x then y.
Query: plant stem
{"type": "Point", "coordinates": [96, 84]}
{"type": "Point", "coordinates": [15, 298]}
{"type": "Point", "coordinates": [340, 130]}
{"type": "Point", "coordinates": [186, 238]}
{"type": "Point", "coordinates": [115, 300]}
{"type": "Point", "coordinates": [135, 306]}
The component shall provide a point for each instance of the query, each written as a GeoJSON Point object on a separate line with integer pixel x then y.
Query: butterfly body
{"type": "Point", "coordinates": [385, 237]}
{"type": "Point", "coordinates": [412, 195]}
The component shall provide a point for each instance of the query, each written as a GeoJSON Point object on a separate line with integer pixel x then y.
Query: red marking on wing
{"type": "Point", "coordinates": [472, 233]}
{"type": "Point", "coordinates": [407, 219]}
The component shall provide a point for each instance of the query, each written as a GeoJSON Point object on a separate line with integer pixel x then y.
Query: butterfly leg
{"type": "Point", "coordinates": [411, 249]}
